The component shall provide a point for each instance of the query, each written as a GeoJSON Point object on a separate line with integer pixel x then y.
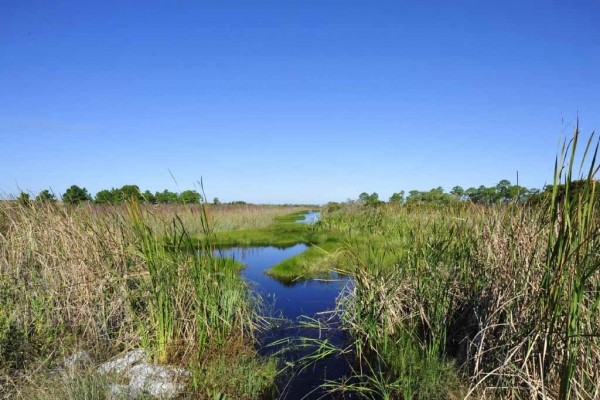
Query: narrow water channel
{"type": "Point", "coordinates": [310, 217]}
{"type": "Point", "coordinates": [302, 301]}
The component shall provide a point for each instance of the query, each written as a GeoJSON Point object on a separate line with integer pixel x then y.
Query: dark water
{"type": "Point", "coordinates": [302, 301]}
{"type": "Point", "coordinates": [305, 298]}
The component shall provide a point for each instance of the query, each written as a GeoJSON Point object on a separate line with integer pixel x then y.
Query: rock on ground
{"type": "Point", "coordinates": [119, 392]}
{"type": "Point", "coordinates": [163, 382]}
{"type": "Point", "coordinates": [122, 364]}
{"type": "Point", "coordinates": [159, 381]}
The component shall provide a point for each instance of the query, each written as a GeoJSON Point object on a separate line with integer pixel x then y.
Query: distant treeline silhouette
{"type": "Point", "coordinates": [502, 193]}
{"type": "Point", "coordinates": [76, 194]}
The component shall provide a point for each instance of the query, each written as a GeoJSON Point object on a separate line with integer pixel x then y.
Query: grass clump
{"type": "Point", "coordinates": [570, 280]}
{"type": "Point", "coordinates": [317, 261]}
{"type": "Point", "coordinates": [236, 372]}
{"type": "Point", "coordinates": [71, 385]}
{"type": "Point", "coordinates": [188, 284]}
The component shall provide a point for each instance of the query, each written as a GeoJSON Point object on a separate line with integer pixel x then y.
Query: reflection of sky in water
{"type": "Point", "coordinates": [305, 298]}
{"type": "Point", "coordinates": [302, 298]}
{"type": "Point", "coordinates": [310, 217]}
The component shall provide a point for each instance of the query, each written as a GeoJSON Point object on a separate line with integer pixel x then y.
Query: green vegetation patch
{"type": "Point", "coordinates": [317, 261]}
{"type": "Point", "coordinates": [286, 231]}
{"type": "Point", "coordinates": [235, 371]}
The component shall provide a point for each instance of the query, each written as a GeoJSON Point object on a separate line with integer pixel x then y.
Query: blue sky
{"type": "Point", "coordinates": [292, 101]}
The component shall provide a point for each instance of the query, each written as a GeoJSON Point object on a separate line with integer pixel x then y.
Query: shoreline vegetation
{"type": "Point", "coordinates": [471, 294]}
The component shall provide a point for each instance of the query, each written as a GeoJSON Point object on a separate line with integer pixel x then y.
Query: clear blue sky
{"type": "Point", "coordinates": [291, 101]}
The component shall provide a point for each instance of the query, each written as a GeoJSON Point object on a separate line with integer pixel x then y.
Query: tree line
{"type": "Point", "coordinates": [503, 192]}
{"type": "Point", "coordinates": [76, 195]}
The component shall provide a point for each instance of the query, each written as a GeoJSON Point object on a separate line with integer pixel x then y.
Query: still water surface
{"type": "Point", "coordinates": [310, 217]}
{"type": "Point", "coordinates": [295, 302]}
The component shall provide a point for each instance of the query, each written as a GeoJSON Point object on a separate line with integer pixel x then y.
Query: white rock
{"type": "Point", "coordinates": [120, 392]}
{"type": "Point", "coordinates": [163, 372]}
{"type": "Point", "coordinates": [161, 381]}
{"type": "Point", "coordinates": [162, 389]}
{"type": "Point", "coordinates": [122, 364]}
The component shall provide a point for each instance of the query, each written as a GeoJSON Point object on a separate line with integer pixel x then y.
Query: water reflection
{"type": "Point", "coordinates": [302, 298]}
{"type": "Point", "coordinates": [310, 217]}
{"type": "Point", "coordinates": [297, 303]}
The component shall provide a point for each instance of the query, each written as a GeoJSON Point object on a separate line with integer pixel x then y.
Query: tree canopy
{"type": "Point", "coordinates": [45, 195]}
{"type": "Point", "coordinates": [129, 192]}
{"type": "Point", "coordinates": [190, 197]}
{"type": "Point", "coordinates": [369, 199]}
{"type": "Point", "coordinates": [397, 198]}
{"type": "Point", "coordinates": [75, 195]}
{"type": "Point", "coordinates": [502, 193]}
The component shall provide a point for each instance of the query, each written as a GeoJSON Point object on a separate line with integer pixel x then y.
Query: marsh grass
{"type": "Point", "coordinates": [475, 301]}
{"type": "Point", "coordinates": [224, 217]}
{"type": "Point", "coordinates": [317, 261]}
{"type": "Point", "coordinates": [460, 301]}
{"type": "Point", "coordinates": [236, 372]}
{"type": "Point", "coordinates": [283, 231]}
{"type": "Point", "coordinates": [70, 384]}
{"type": "Point", "coordinates": [570, 284]}
{"type": "Point", "coordinates": [83, 278]}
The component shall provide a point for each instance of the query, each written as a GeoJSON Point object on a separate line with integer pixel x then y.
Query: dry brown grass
{"type": "Point", "coordinates": [223, 217]}
{"type": "Point", "coordinates": [78, 277]}
{"type": "Point", "coordinates": [466, 284]}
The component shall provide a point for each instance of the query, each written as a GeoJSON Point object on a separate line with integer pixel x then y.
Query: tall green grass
{"type": "Point", "coordinates": [107, 281]}
{"type": "Point", "coordinates": [477, 301]}
{"type": "Point", "coordinates": [199, 306]}
{"type": "Point", "coordinates": [164, 276]}
{"type": "Point", "coordinates": [569, 284]}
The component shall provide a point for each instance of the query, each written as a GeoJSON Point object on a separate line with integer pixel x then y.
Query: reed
{"type": "Point", "coordinates": [446, 301]}
{"type": "Point", "coordinates": [570, 284]}
{"type": "Point", "coordinates": [477, 301]}
{"type": "Point", "coordinates": [108, 280]}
